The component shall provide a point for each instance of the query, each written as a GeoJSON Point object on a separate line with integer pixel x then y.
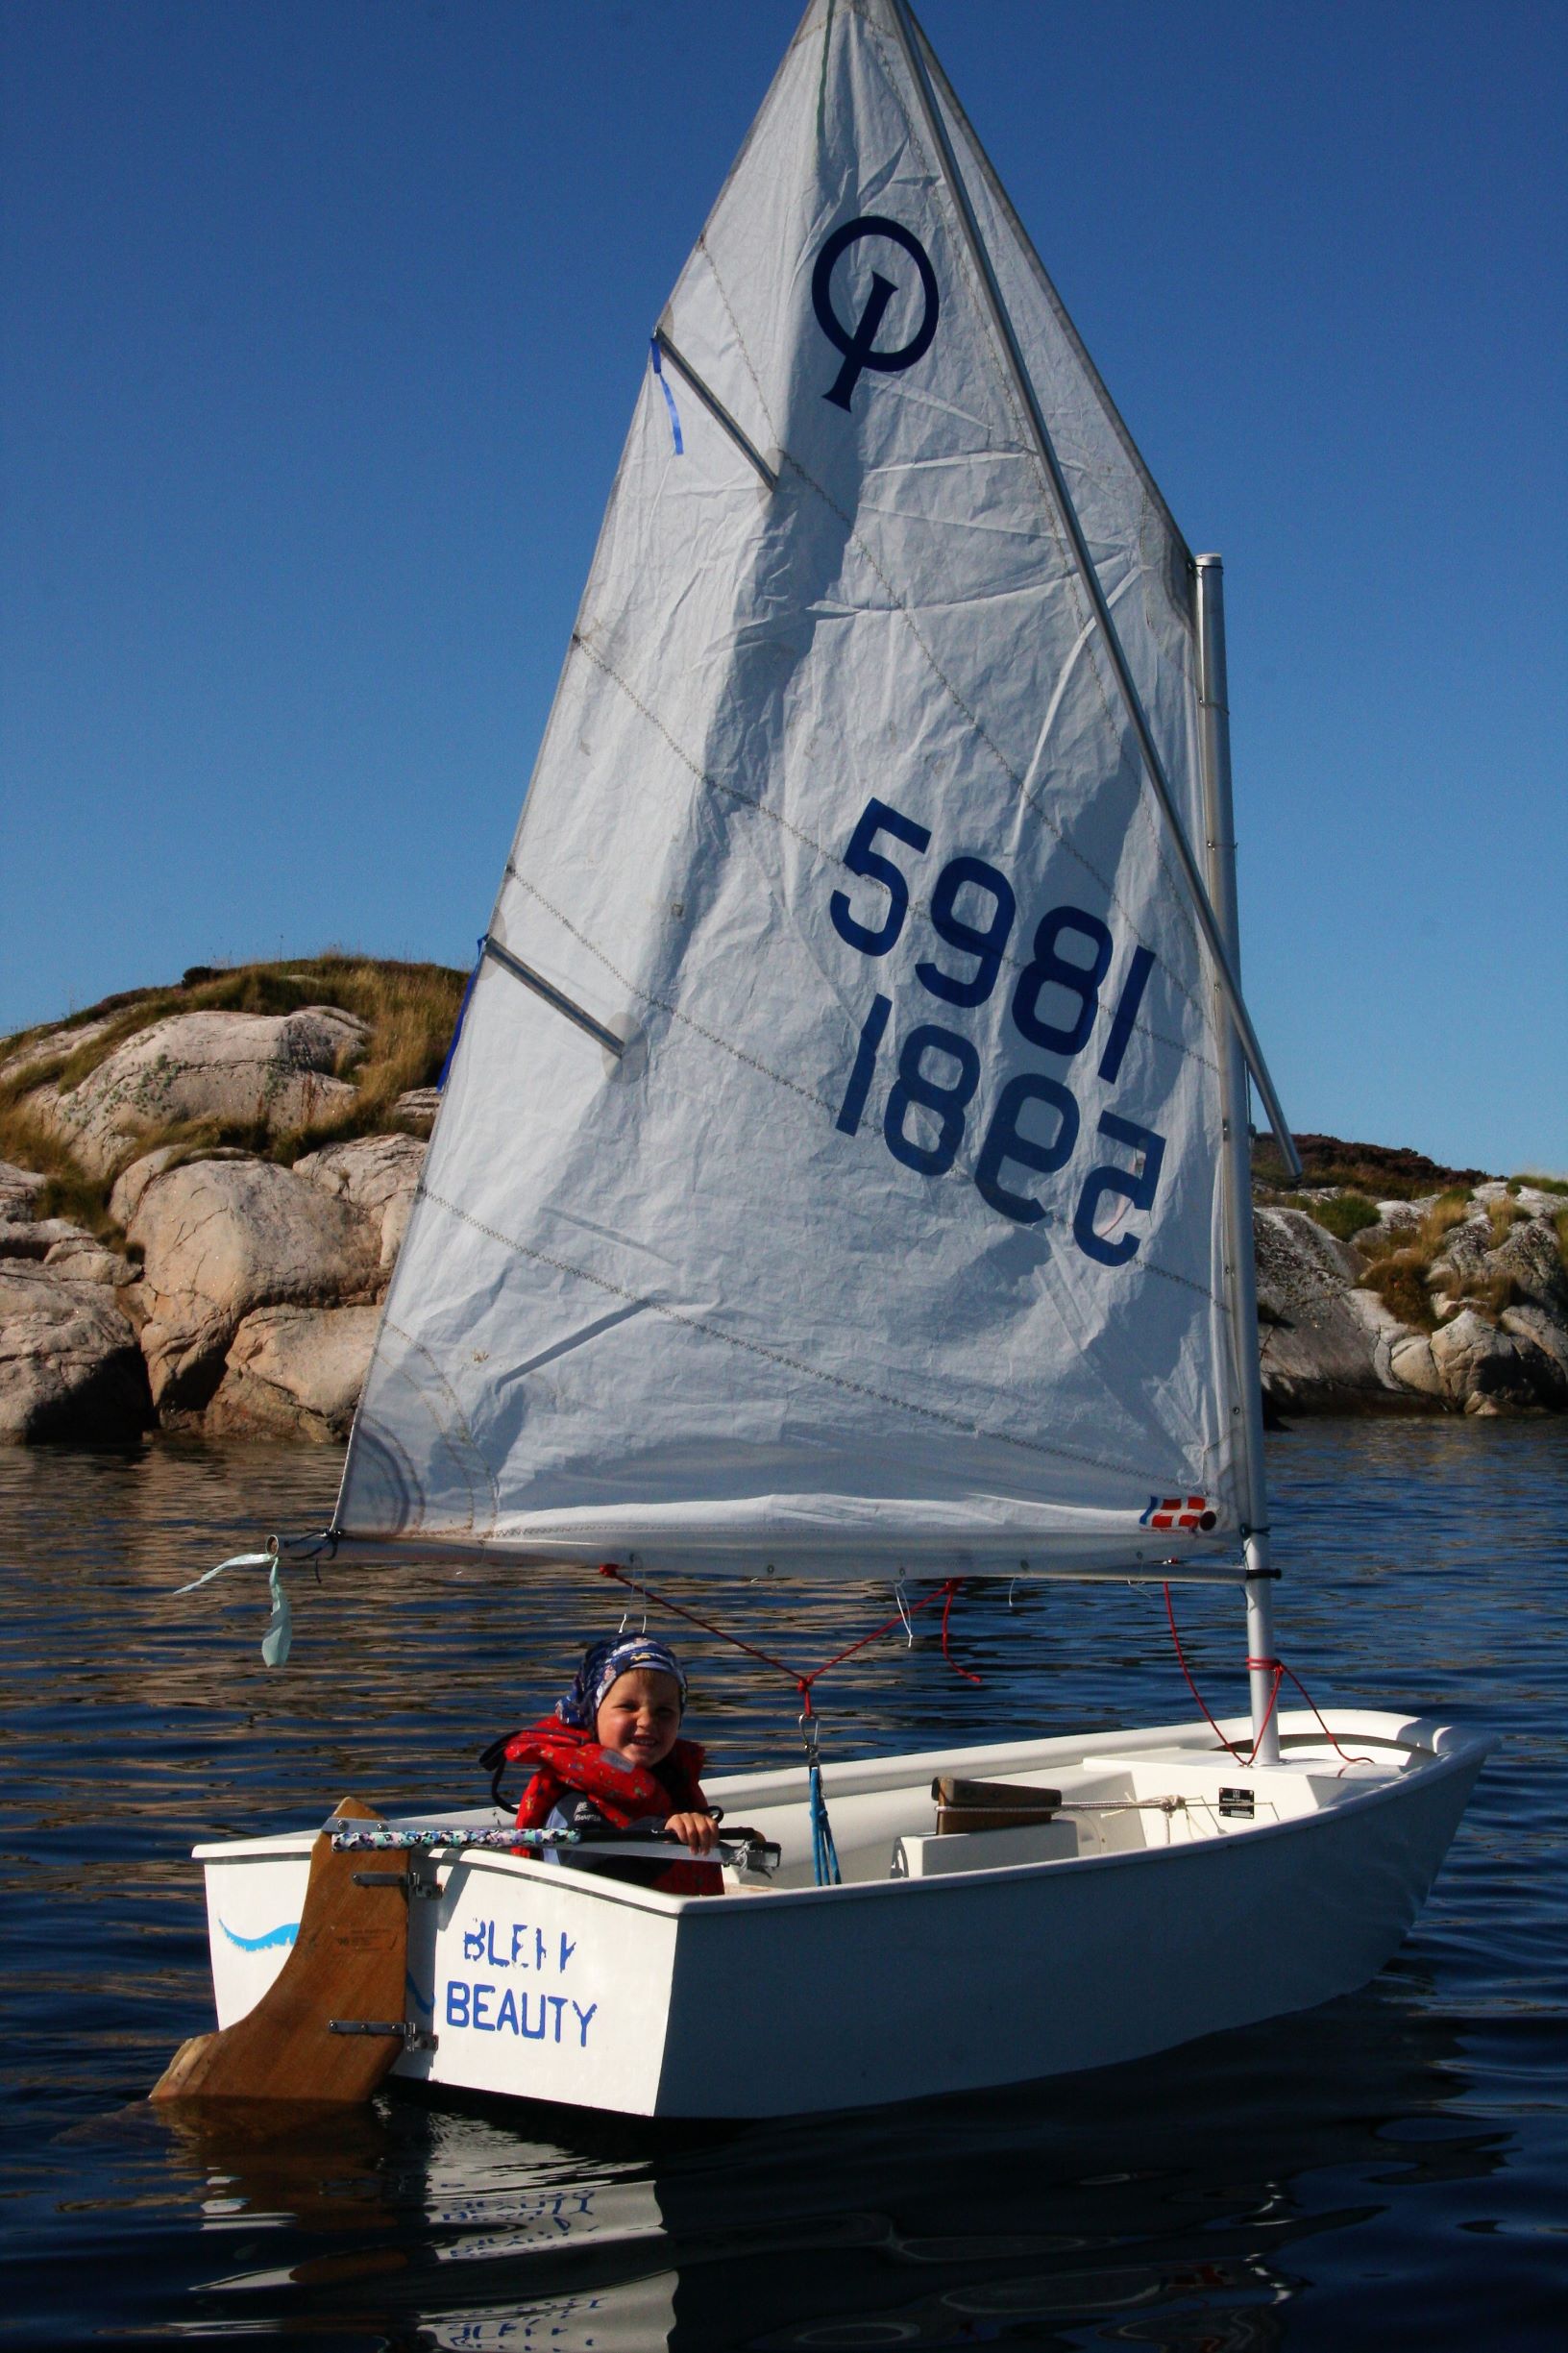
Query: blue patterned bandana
{"type": "Point", "coordinates": [603, 1663]}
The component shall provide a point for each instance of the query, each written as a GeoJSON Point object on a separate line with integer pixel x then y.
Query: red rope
{"type": "Point", "coordinates": [945, 1593]}
{"type": "Point", "coordinates": [1281, 1672]}
{"type": "Point", "coordinates": [1268, 1666]}
{"type": "Point", "coordinates": [1181, 1660]}
{"type": "Point", "coordinates": [951, 1589]}
{"type": "Point", "coordinates": [1276, 1668]}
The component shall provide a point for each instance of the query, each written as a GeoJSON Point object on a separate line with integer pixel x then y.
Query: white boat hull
{"type": "Point", "coordinates": [1144, 1919]}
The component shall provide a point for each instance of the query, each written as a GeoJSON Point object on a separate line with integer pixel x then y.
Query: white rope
{"type": "Point", "coordinates": [903, 1612]}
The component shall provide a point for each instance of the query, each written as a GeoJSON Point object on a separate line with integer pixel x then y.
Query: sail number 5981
{"type": "Point", "coordinates": [1034, 1125]}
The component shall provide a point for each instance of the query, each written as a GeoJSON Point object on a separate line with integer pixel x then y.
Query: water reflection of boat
{"type": "Point", "coordinates": [1178, 2200]}
{"type": "Point", "coordinates": [882, 1200]}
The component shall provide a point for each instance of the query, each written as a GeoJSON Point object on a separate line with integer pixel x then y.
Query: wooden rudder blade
{"type": "Point", "coordinates": [349, 1963]}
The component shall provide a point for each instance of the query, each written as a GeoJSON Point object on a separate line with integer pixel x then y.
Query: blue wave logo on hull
{"type": "Point", "coordinates": [283, 1935]}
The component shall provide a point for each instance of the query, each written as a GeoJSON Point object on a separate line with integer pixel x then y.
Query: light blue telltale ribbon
{"type": "Point", "coordinates": [279, 1637]}
{"type": "Point", "coordinates": [668, 396]}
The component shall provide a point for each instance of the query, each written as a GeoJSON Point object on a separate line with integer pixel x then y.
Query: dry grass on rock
{"type": "Point", "coordinates": [1399, 1279]}
{"type": "Point", "coordinates": [1402, 1271]}
{"type": "Point", "coordinates": [409, 1010]}
{"type": "Point", "coordinates": [1344, 1215]}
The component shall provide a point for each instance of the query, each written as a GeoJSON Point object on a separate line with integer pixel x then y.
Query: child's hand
{"type": "Point", "coordinates": [698, 1830]}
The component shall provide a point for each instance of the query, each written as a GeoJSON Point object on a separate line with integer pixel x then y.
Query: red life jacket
{"type": "Point", "coordinates": [565, 1759]}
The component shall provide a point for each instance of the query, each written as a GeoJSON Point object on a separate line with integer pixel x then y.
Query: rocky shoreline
{"type": "Point", "coordinates": [241, 1181]}
{"type": "Point", "coordinates": [1330, 1341]}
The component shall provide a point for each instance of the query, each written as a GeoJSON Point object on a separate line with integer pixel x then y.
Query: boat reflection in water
{"type": "Point", "coordinates": [955, 2223]}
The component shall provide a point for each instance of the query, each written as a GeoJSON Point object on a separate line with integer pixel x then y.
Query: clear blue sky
{"type": "Point", "coordinates": [322, 321]}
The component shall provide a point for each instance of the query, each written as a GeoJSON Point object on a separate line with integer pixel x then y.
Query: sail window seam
{"type": "Point", "coordinates": [776, 1355]}
{"type": "Point", "coordinates": [832, 857]}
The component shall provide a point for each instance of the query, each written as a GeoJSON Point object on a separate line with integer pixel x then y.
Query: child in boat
{"type": "Point", "coordinates": [612, 1755]}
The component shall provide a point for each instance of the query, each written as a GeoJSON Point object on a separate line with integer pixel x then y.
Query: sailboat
{"type": "Point", "coordinates": [843, 1174]}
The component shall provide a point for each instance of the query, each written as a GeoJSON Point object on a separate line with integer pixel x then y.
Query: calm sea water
{"type": "Point", "coordinates": [1390, 2171]}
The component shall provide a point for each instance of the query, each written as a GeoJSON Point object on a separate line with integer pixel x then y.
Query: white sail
{"type": "Point", "coordinates": [893, 1235]}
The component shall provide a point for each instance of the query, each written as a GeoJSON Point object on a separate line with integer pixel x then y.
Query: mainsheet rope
{"type": "Point", "coordinates": [946, 1593]}
{"type": "Point", "coordinates": [1268, 1666]}
{"type": "Point", "coordinates": [824, 1855]}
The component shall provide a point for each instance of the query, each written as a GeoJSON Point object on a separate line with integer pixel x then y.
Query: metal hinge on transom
{"type": "Point", "coordinates": [414, 2038]}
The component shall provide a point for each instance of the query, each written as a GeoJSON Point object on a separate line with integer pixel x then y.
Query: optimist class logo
{"type": "Point", "coordinates": [858, 343]}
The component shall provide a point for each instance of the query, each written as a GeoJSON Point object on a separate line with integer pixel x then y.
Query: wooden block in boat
{"type": "Point", "coordinates": [349, 1962]}
{"type": "Point", "coordinates": [989, 1805]}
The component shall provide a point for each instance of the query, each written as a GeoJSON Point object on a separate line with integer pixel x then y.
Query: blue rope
{"type": "Point", "coordinates": [824, 1855]}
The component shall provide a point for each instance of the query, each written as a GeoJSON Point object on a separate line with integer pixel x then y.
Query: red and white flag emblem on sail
{"type": "Point", "coordinates": [1189, 1511]}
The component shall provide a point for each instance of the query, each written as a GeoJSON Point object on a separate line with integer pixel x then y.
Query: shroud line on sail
{"type": "Point", "coordinates": [904, 1190]}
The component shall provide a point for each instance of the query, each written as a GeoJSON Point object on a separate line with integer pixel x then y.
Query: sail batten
{"type": "Point", "coordinates": [866, 1214]}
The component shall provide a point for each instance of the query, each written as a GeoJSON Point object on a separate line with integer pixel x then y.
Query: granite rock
{"type": "Point", "coordinates": [417, 1108]}
{"type": "Point", "coordinates": [19, 1189]}
{"type": "Point", "coordinates": [1326, 1345]}
{"type": "Point", "coordinates": [294, 1373]}
{"type": "Point", "coordinates": [125, 1197]}
{"type": "Point", "coordinates": [1543, 1331]}
{"type": "Point", "coordinates": [33, 1237]}
{"type": "Point", "coordinates": [69, 1365]}
{"type": "Point", "coordinates": [1531, 1256]}
{"type": "Point", "coordinates": [1412, 1365]}
{"type": "Point", "coordinates": [51, 1045]}
{"type": "Point", "coordinates": [1489, 1370]}
{"type": "Point", "coordinates": [80, 1258]}
{"type": "Point", "coordinates": [1398, 1222]}
{"type": "Point", "coordinates": [235, 1067]}
{"type": "Point", "coordinates": [220, 1238]}
{"type": "Point", "coordinates": [377, 1175]}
